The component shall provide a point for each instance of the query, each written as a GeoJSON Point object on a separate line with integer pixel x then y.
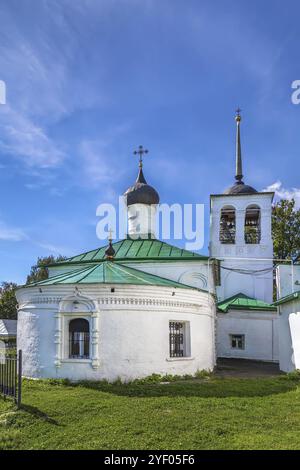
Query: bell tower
{"type": "Point", "coordinates": [241, 237]}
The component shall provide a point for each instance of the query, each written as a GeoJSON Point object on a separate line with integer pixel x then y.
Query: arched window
{"type": "Point", "coordinates": [79, 339]}
{"type": "Point", "coordinates": [227, 225]}
{"type": "Point", "coordinates": [252, 225]}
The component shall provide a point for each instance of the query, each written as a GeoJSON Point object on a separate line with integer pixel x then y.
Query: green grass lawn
{"type": "Point", "coordinates": [211, 413]}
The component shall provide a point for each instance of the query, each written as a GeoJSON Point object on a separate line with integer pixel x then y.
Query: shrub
{"type": "Point", "coordinates": [203, 374]}
{"type": "Point", "coordinates": [294, 375]}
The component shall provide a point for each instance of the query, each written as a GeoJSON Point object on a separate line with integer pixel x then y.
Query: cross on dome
{"type": "Point", "coordinates": [141, 151]}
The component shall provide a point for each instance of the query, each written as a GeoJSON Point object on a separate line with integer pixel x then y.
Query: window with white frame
{"type": "Point", "coordinates": [178, 341]}
{"type": "Point", "coordinates": [237, 341]}
{"type": "Point", "coordinates": [79, 339]}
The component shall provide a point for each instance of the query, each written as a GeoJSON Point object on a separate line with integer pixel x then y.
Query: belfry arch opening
{"type": "Point", "coordinates": [227, 225]}
{"type": "Point", "coordinates": [252, 225]}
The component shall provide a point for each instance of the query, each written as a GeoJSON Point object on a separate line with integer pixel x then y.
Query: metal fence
{"type": "Point", "coordinates": [11, 374]}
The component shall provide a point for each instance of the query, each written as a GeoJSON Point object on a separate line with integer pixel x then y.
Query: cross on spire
{"type": "Point", "coordinates": [110, 233]}
{"type": "Point", "coordinates": [140, 151]}
{"type": "Point", "coordinates": [238, 117]}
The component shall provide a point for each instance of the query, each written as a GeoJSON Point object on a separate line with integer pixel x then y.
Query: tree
{"type": "Point", "coordinates": [39, 271]}
{"type": "Point", "coordinates": [286, 230]}
{"type": "Point", "coordinates": [8, 301]}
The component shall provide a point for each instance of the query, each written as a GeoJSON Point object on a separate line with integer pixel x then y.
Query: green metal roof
{"type": "Point", "coordinates": [136, 250]}
{"type": "Point", "coordinates": [288, 298]}
{"type": "Point", "coordinates": [243, 302]}
{"type": "Point", "coordinates": [109, 272]}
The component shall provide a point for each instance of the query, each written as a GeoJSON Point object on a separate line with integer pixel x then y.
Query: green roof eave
{"type": "Point", "coordinates": [135, 260]}
{"type": "Point", "coordinates": [243, 302]}
{"type": "Point", "coordinates": [246, 307]}
{"type": "Point", "coordinates": [288, 298]}
{"type": "Point", "coordinates": [113, 273]}
{"type": "Point", "coordinates": [136, 250]}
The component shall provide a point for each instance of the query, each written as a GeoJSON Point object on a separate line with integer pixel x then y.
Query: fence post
{"type": "Point", "coordinates": [19, 378]}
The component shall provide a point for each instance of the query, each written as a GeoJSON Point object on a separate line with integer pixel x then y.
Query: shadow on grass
{"type": "Point", "coordinates": [38, 414]}
{"type": "Point", "coordinates": [210, 388]}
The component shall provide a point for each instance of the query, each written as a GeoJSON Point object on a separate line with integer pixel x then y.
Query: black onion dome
{"type": "Point", "coordinates": [240, 188]}
{"type": "Point", "coordinates": [141, 192]}
{"type": "Point", "coordinates": [110, 251]}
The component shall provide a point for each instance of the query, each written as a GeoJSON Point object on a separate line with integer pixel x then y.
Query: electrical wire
{"type": "Point", "coordinates": [249, 271]}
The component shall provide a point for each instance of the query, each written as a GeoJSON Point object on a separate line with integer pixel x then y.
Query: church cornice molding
{"type": "Point", "coordinates": [116, 301]}
{"type": "Point", "coordinates": [146, 302]}
{"type": "Point", "coordinates": [33, 301]}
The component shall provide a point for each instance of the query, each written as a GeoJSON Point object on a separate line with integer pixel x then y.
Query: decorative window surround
{"type": "Point", "coordinates": [76, 306]}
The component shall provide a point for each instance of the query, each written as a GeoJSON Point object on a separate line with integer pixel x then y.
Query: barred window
{"type": "Point", "coordinates": [237, 341]}
{"type": "Point", "coordinates": [177, 339]}
{"type": "Point", "coordinates": [79, 339]}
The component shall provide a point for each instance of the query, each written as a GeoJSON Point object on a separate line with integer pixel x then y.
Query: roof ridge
{"type": "Point", "coordinates": [96, 252]}
{"type": "Point", "coordinates": [92, 269]}
{"type": "Point", "coordinates": [70, 274]}
{"type": "Point", "coordinates": [132, 274]}
{"type": "Point", "coordinates": [233, 297]}
{"type": "Point", "coordinates": [139, 249]}
{"type": "Point", "coordinates": [61, 275]}
{"type": "Point", "coordinates": [131, 242]}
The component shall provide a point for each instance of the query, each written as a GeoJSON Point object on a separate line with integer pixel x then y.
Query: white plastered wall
{"type": "Point", "coordinates": [129, 331]}
{"type": "Point", "coordinates": [289, 335]}
{"type": "Point", "coordinates": [141, 220]}
{"type": "Point", "coordinates": [260, 330]}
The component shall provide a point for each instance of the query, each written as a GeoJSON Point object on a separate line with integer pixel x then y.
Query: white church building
{"type": "Point", "coordinates": [288, 304]}
{"type": "Point", "coordinates": [141, 306]}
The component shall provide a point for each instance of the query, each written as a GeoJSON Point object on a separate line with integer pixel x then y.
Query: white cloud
{"type": "Point", "coordinates": [21, 138]}
{"type": "Point", "coordinates": [285, 193]}
{"type": "Point", "coordinates": [13, 234]}
{"type": "Point", "coordinates": [100, 159]}
{"type": "Point", "coordinates": [54, 249]}
{"type": "Point", "coordinates": [44, 83]}
{"type": "Point", "coordinates": [96, 162]}
{"type": "Point", "coordinates": [32, 95]}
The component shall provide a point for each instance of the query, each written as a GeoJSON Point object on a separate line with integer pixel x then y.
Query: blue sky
{"type": "Point", "coordinates": [88, 81]}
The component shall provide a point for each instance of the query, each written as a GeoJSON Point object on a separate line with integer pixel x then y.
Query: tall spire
{"type": "Point", "coordinates": [238, 152]}
{"type": "Point", "coordinates": [239, 187]}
